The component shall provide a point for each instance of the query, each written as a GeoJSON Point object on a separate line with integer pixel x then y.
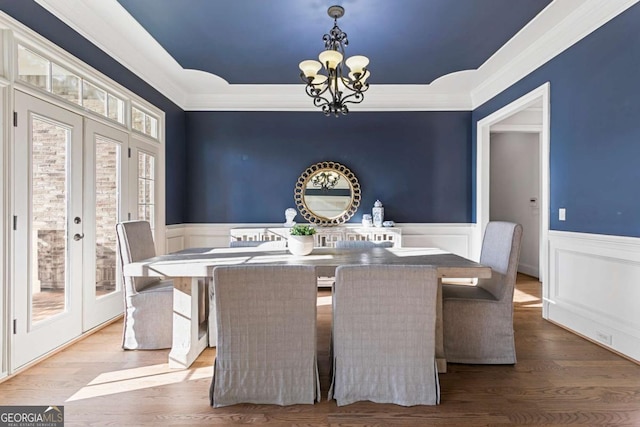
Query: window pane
{"type": "Point", "coordinates": [33, 68]}
{"type": "Point", "coordinates": [94, 98]}
{"type": "Point", "coordinates": [65, 84]}
{"type": "Point", "coordinates": [116, 108]}
{"type": "Point", "coordinates": [149, 167]}
{"type": "Point", "coordinates": [146, 188]}
{"type": "Point", "coordinates": [153, 123]}
{"type": "Point", "coordinates": [149, 190]}
{"type": "Point", "coordinates": [142, 195]}
{"type": "Point", "coordinates": [142, 212]}
{"type": "Point", "coordinates": [137, 119]}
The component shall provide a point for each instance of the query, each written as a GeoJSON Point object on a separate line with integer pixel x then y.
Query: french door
{"type": "Point", "coordinates": [70, 190]}
{"type": "Point", "coordinates": [105, 195]}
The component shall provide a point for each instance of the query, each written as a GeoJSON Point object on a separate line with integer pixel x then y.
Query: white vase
{"type": "Point", "coordinates": [378, 213]}
{"type": "Point", "coordinates": [300, 245]}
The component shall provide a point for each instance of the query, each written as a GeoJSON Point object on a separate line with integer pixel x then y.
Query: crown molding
{"type": "Point", "coordinates": [291, 98]}
{"type": "Point", "coordinates": [209, 93]}
{"type": "Point", "coordinates": [555, 29]}
{"type": "Point", "coordinates": [110, 27]}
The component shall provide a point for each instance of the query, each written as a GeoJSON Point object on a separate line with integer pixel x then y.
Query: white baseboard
{"type": "Point", "coordinates": [593, 288]}
{"type": "Point", "coordinates": [531, 270]}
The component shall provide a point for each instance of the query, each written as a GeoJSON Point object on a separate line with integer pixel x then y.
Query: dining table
{"type": "Point", "coordinates": [192, 269]}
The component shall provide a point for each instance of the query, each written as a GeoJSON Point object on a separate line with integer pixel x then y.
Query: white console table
{"type": "Point", "coordinates": [325, 237]}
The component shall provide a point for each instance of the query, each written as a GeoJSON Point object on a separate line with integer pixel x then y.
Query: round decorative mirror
{"type": "Point", "coordinates": [327, 193]}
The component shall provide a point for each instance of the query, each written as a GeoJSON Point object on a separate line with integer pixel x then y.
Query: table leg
{"type": "Point", "coordinates": [441, 361]}
{"type": "Point", "coordinates": [189, 334]}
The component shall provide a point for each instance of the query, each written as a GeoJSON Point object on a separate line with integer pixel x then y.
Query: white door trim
{"type": "Point", "coordinates": [483, 184]}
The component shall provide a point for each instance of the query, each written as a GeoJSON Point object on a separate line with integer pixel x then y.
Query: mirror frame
{"type": "Point", "coordinates": [311, 216]}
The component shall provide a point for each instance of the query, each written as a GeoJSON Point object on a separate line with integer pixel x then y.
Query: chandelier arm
{"type": "Point", "coordinates": [313, 92]}
{"type": "Point", "coordinates": [351, 84]}
{"type": "Point", "coordinates": [354, 98]}
{"type": "Point", "coordinates": [320, 101]}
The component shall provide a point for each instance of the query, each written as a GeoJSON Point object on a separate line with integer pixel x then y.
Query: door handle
{"type": "Point", "coordinates": [77, 237]}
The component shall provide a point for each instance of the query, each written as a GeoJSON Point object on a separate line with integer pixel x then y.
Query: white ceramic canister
{"type": "Point", "coordinates": [378, 213]}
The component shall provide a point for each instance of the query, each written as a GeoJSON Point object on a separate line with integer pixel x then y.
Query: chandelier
{"type": "Point", "coordinates": [332, 92]}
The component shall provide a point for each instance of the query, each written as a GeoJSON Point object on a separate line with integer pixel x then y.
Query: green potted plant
{"type": "Point", "coordinates": [301, 239]}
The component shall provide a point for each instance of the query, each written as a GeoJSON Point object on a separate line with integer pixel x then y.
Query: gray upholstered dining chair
{"type": "Point", "coordinates": [266, 324]}
{"type": "Point", "coordinates": [148, 316]}
{"type": "Point", "coordinates": [383, 336]}
{"type": "Point", "coordinates": [478, 320]}
{"type": "Point", "coordinates": [257, 244]}
{"type": "Point", "coordinates": [361, 244]}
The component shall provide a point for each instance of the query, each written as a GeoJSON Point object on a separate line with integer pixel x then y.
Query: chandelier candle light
{"type": "Point", "coordinates": [329, 92]}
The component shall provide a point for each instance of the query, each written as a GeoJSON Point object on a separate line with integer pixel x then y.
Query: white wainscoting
{"type": "Point", "coordinates": [456, 238]}
{"type": "Point", "coordinates": [594, 288]}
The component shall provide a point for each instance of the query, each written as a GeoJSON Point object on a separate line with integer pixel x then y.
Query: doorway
{"type": "Point", "coordinates": [538, 97]}
{"type": "Point", "coordinates": [515, 182]}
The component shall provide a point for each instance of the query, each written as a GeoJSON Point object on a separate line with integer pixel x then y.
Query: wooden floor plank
{"type": "Point", "coordinates": [560, 379]}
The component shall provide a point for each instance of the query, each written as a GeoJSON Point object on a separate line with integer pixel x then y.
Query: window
{"type": "Point", "coordinates": [40, 72]}
{"type": "Point", "coordinates": [144, 122]}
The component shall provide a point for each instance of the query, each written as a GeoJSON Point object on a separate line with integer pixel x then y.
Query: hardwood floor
{"type": "Point", "coordinates": [560, 379]}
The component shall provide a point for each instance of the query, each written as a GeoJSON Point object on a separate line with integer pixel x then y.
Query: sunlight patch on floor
{"type": "Point", "coordinates": [324, 301]}
{"type": "Point", "coordinates": [526, 300]}
{"type": "Point", "coordinates": [137, 379]}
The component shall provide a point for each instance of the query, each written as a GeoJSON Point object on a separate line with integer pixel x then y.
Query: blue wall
{"type": "Point", "coordinates": [38, 19]}
{"type": "Point", "coordinates": [243, 166]}
{"type": "Point", "coordinates": [420, 164]}
{"type": "Point", "coordinates": [595, 128]}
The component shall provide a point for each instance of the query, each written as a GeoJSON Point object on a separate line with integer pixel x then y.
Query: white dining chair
{"type": "Point", "coordinates": [148, 315]}
{"type": "Point", "coordinates": [383, 336]}
{"type": "Point", "coordinates": [478, 320]}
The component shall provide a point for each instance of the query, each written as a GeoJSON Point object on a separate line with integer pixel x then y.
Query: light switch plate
{"type": "Point", "coordinates": [562, 214]}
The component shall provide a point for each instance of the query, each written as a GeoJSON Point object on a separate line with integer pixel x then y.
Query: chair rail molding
{"type": "Point", "coordinates": [593, 288]}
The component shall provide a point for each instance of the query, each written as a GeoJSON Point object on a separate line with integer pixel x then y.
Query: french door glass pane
{"type": "Point", "coordinates": [49, 194]}
{"type": "Point", "coordinates": [107, 208]}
